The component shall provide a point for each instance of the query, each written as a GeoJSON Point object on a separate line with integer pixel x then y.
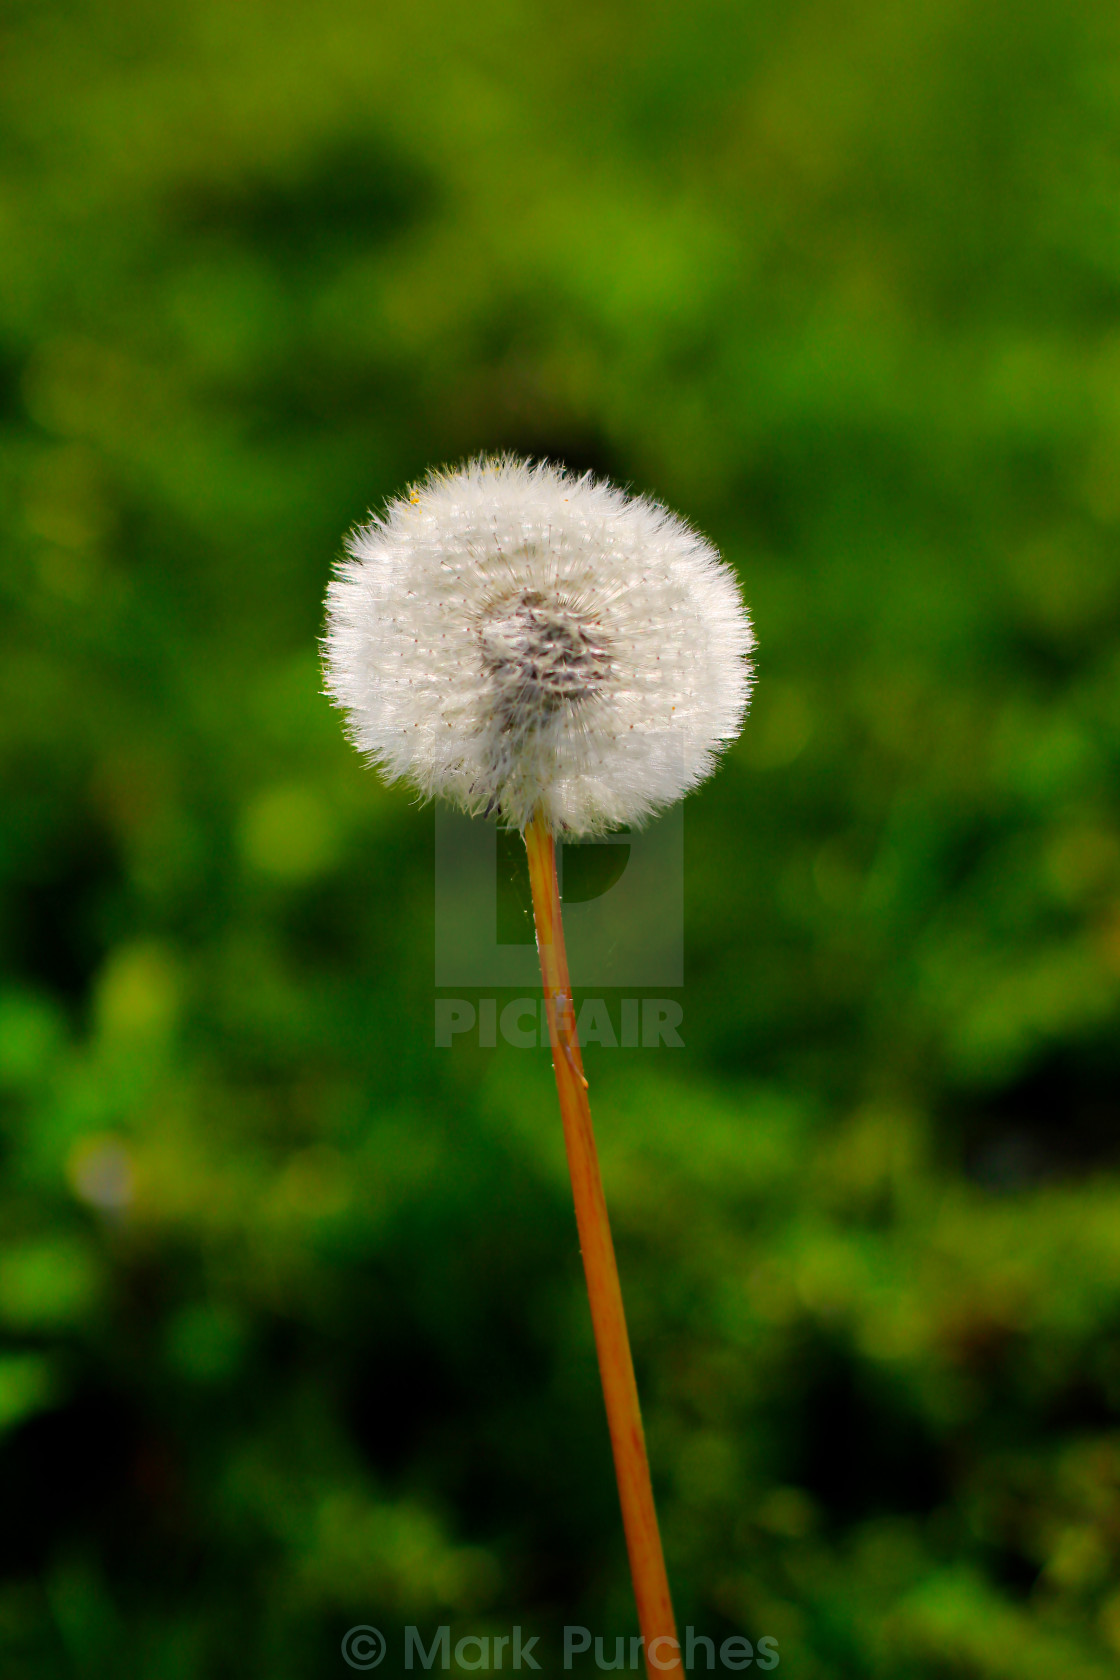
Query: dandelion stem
{"type": "Point", "coordinates": [639, 1517]}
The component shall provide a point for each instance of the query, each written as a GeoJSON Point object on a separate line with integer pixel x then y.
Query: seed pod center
{"type": "Point", "coordinates": [541, 653]}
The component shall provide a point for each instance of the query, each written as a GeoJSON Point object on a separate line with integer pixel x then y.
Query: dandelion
{"type": "Point", "coordinates": [517, 640]}
{"type": "Point", "coordinates": [547, 648]}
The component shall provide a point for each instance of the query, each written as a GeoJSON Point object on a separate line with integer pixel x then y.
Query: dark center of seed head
{"type": "Point", "coordinates": [542, 653]}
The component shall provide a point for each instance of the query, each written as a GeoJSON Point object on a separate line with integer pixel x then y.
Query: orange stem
{"type": "Point", "coordinates": [639, 1518]}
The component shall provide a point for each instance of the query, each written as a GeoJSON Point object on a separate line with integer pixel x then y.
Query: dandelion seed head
{"type": "Point", "coordinates": [510, 636]}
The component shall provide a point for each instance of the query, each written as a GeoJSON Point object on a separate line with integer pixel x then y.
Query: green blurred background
{"type": "Point", "coordinates": [294, 1326]}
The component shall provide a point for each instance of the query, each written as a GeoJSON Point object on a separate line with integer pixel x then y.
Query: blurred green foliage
{"type": "Point", "coordinates": [294, 1327]}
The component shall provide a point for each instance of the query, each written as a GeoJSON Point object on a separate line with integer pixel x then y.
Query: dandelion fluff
{"type": "Point", "coordinates": [513, 638]}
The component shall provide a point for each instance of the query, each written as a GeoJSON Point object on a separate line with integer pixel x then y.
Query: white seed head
{"type": "Point", "coordinates": [511, 637]}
